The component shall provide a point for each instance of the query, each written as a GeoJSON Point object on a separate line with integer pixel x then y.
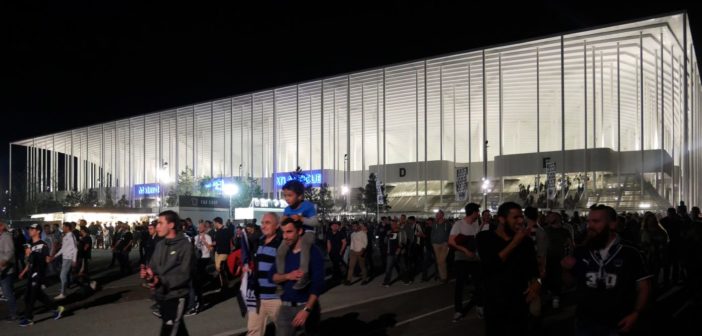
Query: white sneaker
{"type": "Point", "coordinates": [59, 297]}
{"type": "Point", "coordinates": [480, 312]}
{"type": "Point", "coordinates": [556, 302]}
{"type": "Point", "coordinates": [93, 285]}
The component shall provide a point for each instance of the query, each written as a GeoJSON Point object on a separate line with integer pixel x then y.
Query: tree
{"type": "Point", "coordinates": [172, 198]}
{"type": "Point", "coordinates": [90, 199]}
{"type": "Point", "coordinates": [186, 183]}
{"type": "Point", "coordinates": [47, 203]}
{"type": "Point", "coordinates": [73, 199]}
{"type": "Point", "coordinates": [298, 175]}
{"type": "Point", "coordinates": [321, 197]}
{"type": "Point", "coordinates": [368, 197]}
{"type": "Point", "coordinates": [123, 202]}
{"type": "Point", "coordinates": [311, 194]}
{"type": "Point", "coordinates": [203, 189]}
{"type": "Point", "coordinates": [109, 203]}
{"type": "Point", "coordinates": [248, 189]}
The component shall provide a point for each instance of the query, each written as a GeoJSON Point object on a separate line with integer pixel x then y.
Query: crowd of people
{"type": "Point", "coordinates": [516, 260]}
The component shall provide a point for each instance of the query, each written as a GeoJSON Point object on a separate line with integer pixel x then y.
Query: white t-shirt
{"type": "Point", "coordinates": [467, 229]}
{"type": "Point", "coordinates": [359, 241]}
{"type": "Point", "coordinates": [202, 241]}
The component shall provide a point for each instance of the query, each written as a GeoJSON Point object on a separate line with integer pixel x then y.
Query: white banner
{"type": "Point", "coordinates": [461, 184]}
{"type": "Point", "coordinates": [551, 180]}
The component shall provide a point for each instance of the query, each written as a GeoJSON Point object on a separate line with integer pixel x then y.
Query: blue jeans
{"type": "Point", "coordinates": [7, 282]}
{"type": "Point", "coordinates": [393, 261]}
{"type": "Point", "coordinates": [65, 274]}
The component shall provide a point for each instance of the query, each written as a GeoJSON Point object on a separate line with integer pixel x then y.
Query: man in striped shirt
{"type": "Point", "coordinates": [269, 302]}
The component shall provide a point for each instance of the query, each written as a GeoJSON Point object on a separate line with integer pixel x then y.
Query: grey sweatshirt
{"type": "Point", "coordinates": [7, 251]}
{"type": "Point", "coordinates": [172, 262]}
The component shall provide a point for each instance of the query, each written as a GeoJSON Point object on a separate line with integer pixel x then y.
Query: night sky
{"type": "Point", "coordinates": [70, 65]}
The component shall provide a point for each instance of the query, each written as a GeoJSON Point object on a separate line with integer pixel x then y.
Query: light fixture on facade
{"type": "Point", "coordinates": [230, 189]}
{"type": "Point", "coordinates": [486, 186]}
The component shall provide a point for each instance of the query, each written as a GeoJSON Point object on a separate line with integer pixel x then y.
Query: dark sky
{"type": "Point", "coordinates": [70, 65]}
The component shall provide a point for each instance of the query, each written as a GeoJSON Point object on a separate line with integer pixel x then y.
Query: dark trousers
{"type": "Point", "coordinates": [392, 261]}
{"type": "Point", "coordinates": [369, 259]}
{"type": "Point", "coordinates": [284, 325]}
{"type": "Point", "coordinates": [123, 259]}
{"type": "Point", "coordinates": [198, 282]}
{"type": "Point", "coordinates": [172, 322]}
{"type": "Point", "coordinates": [428, 260]}
{"type": "Point", "coordinates": [34, 293]}
{"type": "Point", "coordinates": [554, 275]}
{"type": "Point", "coordinates": [465, 269]}
{"type": "Point", "coordinates": [672, 265]}
{"type": "Point", "coordinates": [409, 259]}
{"type": "Point", "coordinates": [114, 258]}
{"type": "Point", "coordinates": [589, 328]}
{"type": "Point", "coordinates": [335, 258]}
{"type": "Point", "coordinates": [506, 315]}
{"type": "Point", "coordinates": [83, 273]}
{"type": "Point", "coordinates": [142, 254]}
{"type": "Point", "coordinates": [383, 249]}
{"type": "Point", "coordinates": [19, 259]}
{"type": "Point", "coordinates": [417, 261]}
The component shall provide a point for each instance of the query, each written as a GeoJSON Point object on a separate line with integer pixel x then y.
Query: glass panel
{"type": "Point", "coordinates": [203, 139]}
{"type": "Point", "coordinates": [400, 114]}
{"type": "Point", "coordinates": [287, 128]}
{"type": "Point", "coordinates": [629, 95]}
{"type": "Point", "coordinates": [574, 96]}
{"type": "Point", "coordinates": [137, 150]}
{"type": "Point", "coordinates": [550, 97]}
{"type": "Point", "coordinates": [220, 109]}
{"type": "Point", "coordinates": [168, 142]}
{"type": "Point", "coordinates": [519, 101]}
{"type": "Point", "coordinates": [151, 146]}
{"type": "Point", "coordinates": [184, 134]}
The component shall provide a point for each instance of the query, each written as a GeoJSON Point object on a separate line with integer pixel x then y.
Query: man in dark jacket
{"type": "Point", "coordinates": [151, 240]}
{"type": "Point", "coordinates": [170, 272]}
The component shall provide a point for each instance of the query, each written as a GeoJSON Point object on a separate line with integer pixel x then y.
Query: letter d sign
{"type": "Point", "coordinates": [403, 172]}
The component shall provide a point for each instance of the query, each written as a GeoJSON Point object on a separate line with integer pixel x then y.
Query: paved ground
{"type": "Point", "coordinates": [121, 307]}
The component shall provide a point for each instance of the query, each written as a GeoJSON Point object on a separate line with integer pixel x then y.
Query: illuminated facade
{"type": "Point", "coordinates": [616, 108]}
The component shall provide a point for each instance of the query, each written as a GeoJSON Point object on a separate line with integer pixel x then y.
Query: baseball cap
{"type": "Point", "coordinates": [35, 226]}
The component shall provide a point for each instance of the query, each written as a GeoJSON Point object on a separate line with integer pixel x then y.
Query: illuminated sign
{"type": "Point", "coordinates": [268, 203]}
{"type": "Point", "coordinates": [308, 177]}
{"type": "Point", "coordinates": [203, 202]}
{"type": "Point", "coordinates": [151, 189]}
{"type": "Point", "coordinates": [214, 184]}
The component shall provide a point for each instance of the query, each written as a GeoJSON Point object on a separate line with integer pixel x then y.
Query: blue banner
{"type": "Point", "coordinates": [145, 190]}
{"type": "Point", "coordinates": [307, 177]}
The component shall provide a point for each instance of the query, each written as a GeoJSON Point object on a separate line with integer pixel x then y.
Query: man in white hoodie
{"type": "Point", "coordinates": [69, 251]}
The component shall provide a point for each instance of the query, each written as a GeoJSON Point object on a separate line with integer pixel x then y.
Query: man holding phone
{"type": "Point", "coordinates": [511, 272]}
